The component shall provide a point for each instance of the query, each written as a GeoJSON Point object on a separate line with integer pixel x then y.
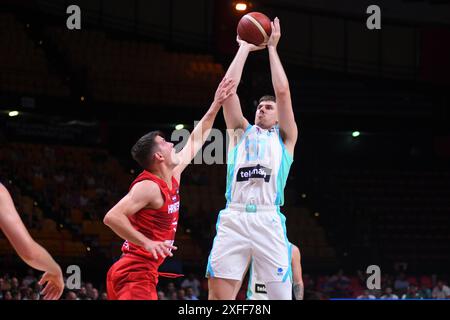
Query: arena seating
{"type": "Point", "coordinates": [23, 64]}
{"type": "Point", "coordinates": [398, 215]}
{"type": "Point", "coordinates": [136, 72]}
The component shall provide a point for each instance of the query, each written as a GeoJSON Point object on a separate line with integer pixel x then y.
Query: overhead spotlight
{"type": "Point", "coordinates": [303, 195]}
{"type": "Point", "coordinates": [241, 6]}
{"type": "Point", "coordinates": [179, 127]}
{"type": "Point", "coordinates": [82, 98]}
{"type": "Point", "coordinates": [316, 214]}
{"type": "Point", "coordinates": [88, 248]}
{"type": "Point", "coordinates": [355, 134]}
{"type": "Point", "coordinates": [13, 113]}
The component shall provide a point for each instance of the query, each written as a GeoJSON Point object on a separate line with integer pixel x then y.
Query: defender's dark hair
{"type": "Point", "coordinates": [267, 98]}
{"type": "Point", "coordinates": [144, 148]}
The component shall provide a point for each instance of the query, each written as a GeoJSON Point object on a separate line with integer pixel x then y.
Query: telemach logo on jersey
{"type": "Point", "coordinates": [260, 288]}
{"type": "Point", "coordinates": [244, 174]}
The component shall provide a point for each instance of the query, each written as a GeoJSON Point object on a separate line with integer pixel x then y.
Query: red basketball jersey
{"type": "Point", "coordinates": [159, 224]}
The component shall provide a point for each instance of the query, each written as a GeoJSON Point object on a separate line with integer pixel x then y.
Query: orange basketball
{"type": "Point", "coordinates": [254, 28]}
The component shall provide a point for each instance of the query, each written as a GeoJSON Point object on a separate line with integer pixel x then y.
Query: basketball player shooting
{"type": "Point", "coordinates": [252, 226]}
{"type": "Point", "coordinates": [147, 217]}
{"type": "Point", "coordinates": [30, 251]}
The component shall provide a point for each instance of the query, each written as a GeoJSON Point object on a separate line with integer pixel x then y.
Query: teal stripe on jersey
{"type": "Point", "coordinates": [209, 270]}
{"type": "Point", "coordinates": [231, 165]}
{"type": "Point", "coordinates": [250, 284]}
{"type": "Point", "coordinates": [288, 245]}
{"type": "Point", "coordinates": [286, 162]}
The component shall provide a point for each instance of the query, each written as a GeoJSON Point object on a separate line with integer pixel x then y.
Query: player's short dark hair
{"type": "Point", "coordinates": [144, 148]}
{"type": "Point", "coordinates": [267, 97]}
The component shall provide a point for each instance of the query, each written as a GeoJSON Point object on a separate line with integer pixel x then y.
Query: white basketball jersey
{"type": "Point", "coordinates": [258, 167]}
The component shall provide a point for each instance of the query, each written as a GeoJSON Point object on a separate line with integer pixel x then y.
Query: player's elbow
{"type": "Point", "coordinates": [282, 91]}
{"type": "Point", "coordinates": [108, 219]}
{"type": "Point", "coordinates": [28, 256]}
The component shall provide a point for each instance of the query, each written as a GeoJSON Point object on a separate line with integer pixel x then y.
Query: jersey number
{"type": "Point", "coordinates": [255, 149]}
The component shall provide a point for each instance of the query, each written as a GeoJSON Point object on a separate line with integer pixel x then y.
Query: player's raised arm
{"type": "Point", "coordinates": [30, 251]}
{"type": "Point", "coordinates": [143, 194]}
{"type": "Point", "coordinates": [232, 110]}
{"type": "Point", "coordinates": [203, 128]}
{"type": "Point", "coordinates": [286, 119]}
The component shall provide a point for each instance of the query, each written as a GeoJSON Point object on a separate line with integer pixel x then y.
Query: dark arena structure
{"type": "Point", "coordinates": [370, 181]}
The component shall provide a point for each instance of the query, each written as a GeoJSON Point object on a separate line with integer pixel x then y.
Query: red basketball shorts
{"type": "Point", "coordinates": [132, 278]}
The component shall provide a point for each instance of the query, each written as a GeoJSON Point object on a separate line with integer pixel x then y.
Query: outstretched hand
{"type": "Point", "coordinates": [276, 33]}
{"type": "Point", "coordinates": [249, 46]}
{"type": "Point", "coordinates": [225, 90]}
{"type": "Point", "coordinates": [53, 285]}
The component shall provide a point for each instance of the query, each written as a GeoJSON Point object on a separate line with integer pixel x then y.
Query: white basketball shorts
{"type": "Point", "coordinates": [257, 233]}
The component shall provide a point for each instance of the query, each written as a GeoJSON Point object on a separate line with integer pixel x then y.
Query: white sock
{"type": "Point", "coordinates": [279, 290]}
